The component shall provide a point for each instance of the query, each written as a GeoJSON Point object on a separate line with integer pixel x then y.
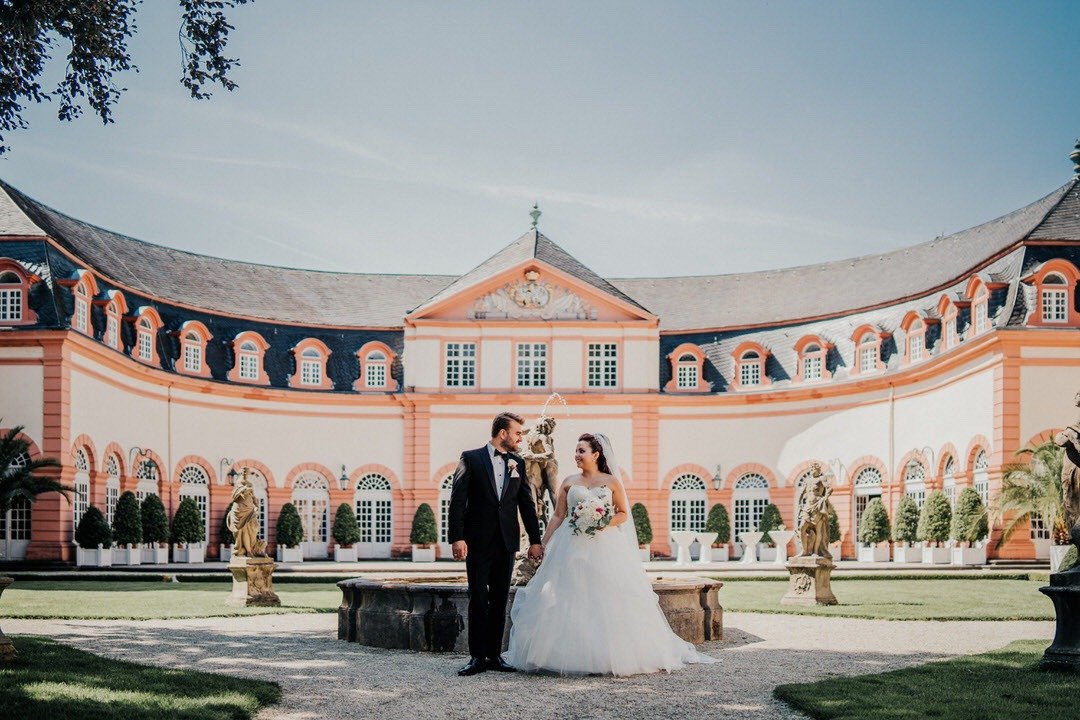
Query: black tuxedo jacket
{"type": "Point", "coordinates": [480, 517]}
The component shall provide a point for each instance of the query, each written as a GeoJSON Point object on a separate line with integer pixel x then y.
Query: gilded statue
{"type": "Point", "coordinates": [1069, 440]}
{"type": "Point", "coordinates": [814, 514]}
{"type": "Point", "coordinates": [243, 519]}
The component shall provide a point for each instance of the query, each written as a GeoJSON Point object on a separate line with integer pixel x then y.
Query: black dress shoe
{"type": "Point", "coordinates": [499, 665]}
{"type": "Point", "coordinates": [474, 666]}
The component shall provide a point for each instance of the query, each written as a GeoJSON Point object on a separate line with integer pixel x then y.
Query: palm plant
{"type": "Point", "coordinates": [20, 477]}
{"type": "Point", "coordinates": [1029, 488]}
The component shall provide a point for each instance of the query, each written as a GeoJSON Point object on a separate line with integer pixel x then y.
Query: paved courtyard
{"type": "Point", "coordinates": [325, 678]}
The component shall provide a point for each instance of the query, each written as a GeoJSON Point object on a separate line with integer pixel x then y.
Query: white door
{"type": "Point", "coordinates": [15, 531]}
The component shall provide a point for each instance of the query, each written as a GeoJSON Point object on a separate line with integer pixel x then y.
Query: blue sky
{"type": "Point", "coordinates": [658, 138]}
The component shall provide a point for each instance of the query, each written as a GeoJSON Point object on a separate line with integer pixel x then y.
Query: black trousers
{"type": "Point", "coordinates": [488, 570]}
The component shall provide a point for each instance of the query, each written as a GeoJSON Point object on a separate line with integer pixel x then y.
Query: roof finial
{"type": "Point", "coordinates": [535, 214]}
{"type": "Point", "coordinates": [1075, 157]}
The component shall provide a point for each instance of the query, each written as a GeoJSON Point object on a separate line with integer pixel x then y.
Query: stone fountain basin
{"type": "Point", "coordinates": [432, 614]}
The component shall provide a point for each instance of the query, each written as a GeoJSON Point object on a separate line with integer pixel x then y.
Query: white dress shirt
{"type": "Point", "coordinates": [500, 469]}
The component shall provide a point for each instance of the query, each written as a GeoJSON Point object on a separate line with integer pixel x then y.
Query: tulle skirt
{"type": "Point", "coordinates": [590, 609]}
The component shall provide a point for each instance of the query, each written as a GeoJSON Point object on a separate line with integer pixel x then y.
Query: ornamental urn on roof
{"type": "Point", "coordinates": [1075, 157]}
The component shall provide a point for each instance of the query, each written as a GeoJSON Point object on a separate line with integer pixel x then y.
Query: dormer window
{"type": "Point", "coordinates": [311, 356]}
{"type": "Point", "coordinates": [115, 307]}
{"type": "Point", "coordinates": [376, 360]}
{"type": "Point", "coordinates": [14, 294]}
{"type": "Point", "coordinates": [687, 369]}
{"type": "Point", "coordinates": [1054, 299]}
{"type": "Point", "coordinates": [147, 323]}
{"type": "Point", "coordinates": [812, 352]}
{"type": "Point", "coordinates": [146, 340]}
{"type": "Point", "coordinates": [193, 339]}
{"type": "Point", "coordinates": [981, 304]}
{"type": "Point", "coordinates": [686, 372]}
{"type": "Point", "coordinates": [867, 351]}
{"type": "Point", "coordinates": [750, 360]}
{"type": "Point", "coordinates": [249, 349]}
{"type": "Point", "coordinates": [1055, 294]}
{"type": "Point", "coordinates": [915, 328]}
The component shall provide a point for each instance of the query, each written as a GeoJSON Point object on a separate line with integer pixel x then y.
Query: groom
{"type": "Point", "coordinates": [489, 491]}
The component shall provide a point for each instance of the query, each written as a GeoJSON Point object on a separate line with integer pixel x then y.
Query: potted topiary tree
{"type": "Point", "coordinates": [290, 533]}
{"type": "Point", "coordinates": [934, 521]}
{"type": "Point", "coordinates": [719, 523]}
{"type": "Point", "coordinates": [155, 531]}
{"type": "Point", "coordinates": [906, 532]}
{"type": "Point", "coordinates": [874, 530]}
{"type": "Point", "coordinates": [188, 533]}
{"type": "Point", "coordinates": [127, 531]}
{"type": "Point", "coordinates": [643, 527]}
{"type": "Point", "coordinates": [346, 533]}
{"type": "Point", "coordinates": [94, 539]}
{"type": "Point", "coordinates": [770, 520]}
{"type": "Point", "coordinates": [424, 534]}
{"type": "Point", "coordinates": [226, 536]}
{"type": "Point", "coordinates": [835, 536]}
{"type": "Point", "coordinates": [969, 529]}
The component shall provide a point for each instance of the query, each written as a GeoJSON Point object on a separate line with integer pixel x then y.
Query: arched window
{"type": "Point", "coordinates": [15, 284]}
{"type": "Point", "coordinates": [15, 524]}
{"type": "Point", "coordinates": [687, 369]}
{"type": "Point", "coordinates": [249, 349]}
{"type": "Point", "coordinates": [686, 372]}
{"type": "Point", "coordinates": [147, 474]}
{"type": "Point", "coordinates": [687, 503]}
{"type": "Point", "coordinates": [147, 323]}
{"type": "Point", "coordinates": [812, 352]}
{"type": "Point", "coordinates": [193, 339]}
{"type": "Point", "coordinates": [81, 496]}
{"type": "Point", "coordinates": [80, 319]}
{"type": "Point", "coordinates": [1054, 299]}
{"type": "Point", "coordinates": [915, 330]}
{"type": "Point", "coordinates": [311, 496]}
{"type": "Point", "coordinates": [112, 487]}
{"type": "Point", "coordinates": [867, 487]}
{"type": "Point", "coordinates": [311, 356]}
{"type": "Point", "coordinates": [978, 291]}
{"type": "Point", "coordinates": [195, 484]}
{"type": "Point", "coordinates": [376, 361]}
{"type": "Point", "coordinates": [915, 482]}
{"type": "Point", "coordinates": [867, 351]}
{"type": "Point", "coordinates": [375, 515]}
{"type": "Point", "coordinates": [982, 476]}
{"type": "Point", "coordinates": [750, 359]}
{"type": "Point", "coordinates": [749, 497]}
{"type": "Point", "coordinates": [115, 308]}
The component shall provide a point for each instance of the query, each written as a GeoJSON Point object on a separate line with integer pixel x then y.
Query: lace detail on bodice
{"type": "Point", "coordinates": [577, 493]}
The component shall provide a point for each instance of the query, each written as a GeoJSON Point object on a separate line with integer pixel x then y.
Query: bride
{"type": "Point", "coordinates": [590, 607]}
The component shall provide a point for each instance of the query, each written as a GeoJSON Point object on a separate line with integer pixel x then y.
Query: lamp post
{"type": "Point", "coordinates": [222, 464]}
{"type": "Point", "coordinates": [717, 478]}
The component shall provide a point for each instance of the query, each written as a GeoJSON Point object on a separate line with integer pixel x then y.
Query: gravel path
{"type": "Point", "coordinates": [325, 678]}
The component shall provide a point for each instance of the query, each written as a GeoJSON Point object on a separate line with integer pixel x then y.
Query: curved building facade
{"type": "Point", "coordinates": [154, 370]}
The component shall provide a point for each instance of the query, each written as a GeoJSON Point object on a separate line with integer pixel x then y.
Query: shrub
{"type": "Point", "coordinates": [719, 523]}
{"type": "Point", "coordinates": [641, 523]}
{"type": "Point", "coordinates": [906, 526]}
{"type": "Point", "coordinates": [346, 532]}
{"type": "Point", "coordinates": [424, 530]}
{"type": "Point", "coordinates": [225, 534]}
{"type": "Point", "coordinates": [969, 521]}
{"type": "Point", "coordinates": [874, 525]}
{"type": "Point", "coordinates": [834, 526]}
{"type": "Point", "coordinates": [127, 522]}
{"type": "Point", "coordinates": [187, 524]}
{"type": "Point", "coordinates": [290, 531]}
{"type": "Point", "coordinates": [93, 530]}
{"type": "Point", "coordinates": [155, 523]}
{"type": "Point", "coordinates": [935, 518]}
{"type": "Point", "coordinates": [770, 520]}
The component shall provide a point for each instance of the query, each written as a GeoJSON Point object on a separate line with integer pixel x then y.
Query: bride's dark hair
{"type": "Point", "coordinates": [601, 462]}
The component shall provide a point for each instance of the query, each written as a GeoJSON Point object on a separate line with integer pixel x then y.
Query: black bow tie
{"type": "Point", "coordinates": [504, 455]}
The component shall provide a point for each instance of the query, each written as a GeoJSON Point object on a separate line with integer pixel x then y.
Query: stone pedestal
{"type": "Point", "coordinates": [810, 581]}
{"type": "Point", "coordinates": [253, 582]}
{"type": "Point", "coordinates": [1064, 591]}
{"type": "Point", "coordinates": [7, 650]}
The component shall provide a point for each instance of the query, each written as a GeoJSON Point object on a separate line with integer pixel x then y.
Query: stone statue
{"type": "Point", "coordinates": [814, 514]}
{"type": "Point", "coordinates": [1069, 440]}
{"type": "Point", "coordinates": [541, 468]}
{"type": "Point", "coordinates": [243, 519]}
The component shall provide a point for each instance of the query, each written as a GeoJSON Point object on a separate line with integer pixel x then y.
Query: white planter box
{"type": "Point", "coordinates": [189, 553]}
{"type": "Point", "coordinates": [936, 556]}
{"type": "Point", "coordinates": [290, 554]}
{"type": "Point", "coordinates": [646, 553]}
{"type": "Point", "coordinates": [907, 553]}
{"type": "Point", "coordinates": [873, 553]}
{"type": "Point", "coordinates": [155, 554]}
{"type": "Point", "coordinates": [225, 553]}
{"type": "Point", "coordinates": [345, 554]}
{"type": "Point", "coordinates": [969, 555]}
{"type": "Point", "coordinates": [1057, 554]}
{"type": "Point", "coordinates": [423, 554]}
{"type": "Point", "coordinates": [98, 557]}
{"type": "Point", "coordinates": [127, 555]}
{"type": "Point", "coordinates": [720, 554]}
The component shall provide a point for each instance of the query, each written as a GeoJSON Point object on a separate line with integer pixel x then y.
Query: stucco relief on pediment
{"type": "Point", "coordinates": [531, 298]}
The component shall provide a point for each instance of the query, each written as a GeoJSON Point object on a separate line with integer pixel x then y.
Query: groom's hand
{"type": "Point", "coordinates": [536, 552]}
{"type": "Point", "coordinates": [460, 550]}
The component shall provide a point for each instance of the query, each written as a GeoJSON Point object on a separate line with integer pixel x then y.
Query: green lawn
{"type": "Point", "coordinates": [1000, 684]}
{"type": "Point", "coordinates": [145, 600]}
{"type": "Point", "coordinates": [915, 599]}
{"type": "Point", "coordinates": [50, 681]}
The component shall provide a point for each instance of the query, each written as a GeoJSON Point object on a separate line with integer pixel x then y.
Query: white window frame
{"type": "Point", "coordinates": [687, 503]}
{"type": "Point", "coordinates": [374, 505]}
{"type": "Point", "coordinates": [531, 368]}
{"type": "Point", "coordinates": [1055, 305]}
{"type": "Point", "coordinates": [459, 369]}
{"type": "Point", "coordinates": [602, 368]}
{"type": "Point", "coordinates": [749, 498]}
{"type": "Point", "coordinates": [11, 299]}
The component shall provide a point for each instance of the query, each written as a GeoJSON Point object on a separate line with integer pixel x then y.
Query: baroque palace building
{"type": "Point", "coordinates": [150, 369]}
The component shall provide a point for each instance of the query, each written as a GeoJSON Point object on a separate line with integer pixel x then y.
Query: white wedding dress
{"type": "Point", "coordinates": [590, 608]}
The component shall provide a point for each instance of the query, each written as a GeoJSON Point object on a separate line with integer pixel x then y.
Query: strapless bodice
{"type": "Point", "coordinates": [577, 493]}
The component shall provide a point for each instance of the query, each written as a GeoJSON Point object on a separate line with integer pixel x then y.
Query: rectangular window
{"type": "Point", "coordinates": [1039, 529]}
{"type": "Point", "coordinates": [111, 332]}
{"type": "Point", "coordinates": [918, 495]}
{"type": "Point", "coordinates": [750, 373]}
{"type": "Point", "coordinates": [950, 330]}
{"type": "Point", "coordinates": [532, 365]}
{"type": "Point", "coordinates": [146, 351]}
{"type": "Point", "coordinates": [916, 353]}
{"type": "Point", "coordinates": [1055, 306]}
{"type": "Point", "coordinates": [982, 321]}
{"type": "Point", "coordinates": [461, 365]}
{"type": "Point", "coordinates": [748, 512]}
{"type": "Point", "coordinates": [80, 315]}
{"type": "Point", "coordinates": [376, 375]}
{"type": "Point", "coordinates": [868, 359]}
{"type": "Point", "coordinates": [192, 357]}
{"type": "Point", "coordinates": [812, 368]}
{"type": "Point", "coordinates": [20, 520]}
{"type": "Point", "coordinates": [112, 495]}
{"type": "Point", "coordinates": [311, 372]}
{"type": "Point", "coordinates": [249, 367]}
{"type": "Point", "coordinates": [687, 377]}
{"type": "Point", "coordinates": [11, 305]}
{"type": "Point", "coordinates": [603, 367]}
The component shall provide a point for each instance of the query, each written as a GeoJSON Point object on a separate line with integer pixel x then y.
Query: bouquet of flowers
{"type": "Point", "coordinates": [590, 515]}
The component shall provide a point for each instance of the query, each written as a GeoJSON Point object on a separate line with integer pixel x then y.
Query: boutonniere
{"type": "Point", "coordinates": [514, 471]}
